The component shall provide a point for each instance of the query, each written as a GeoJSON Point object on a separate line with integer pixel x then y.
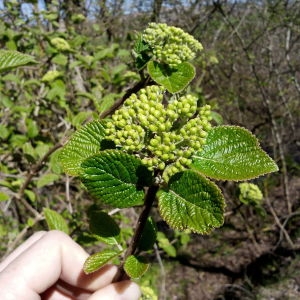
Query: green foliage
{"type": "Point", "coordinates": [83, 144]}
{"type": "Point", "coordinates": [232, 153]}
{"type": "Point", "coordinates": [13, 59]}
{"type": "Point", "coordinates": [164, 146]}
{"type": "Point", "coordinates": [192, 202]}
{"type": "Point", "coordinates": [164, 243]}
{"type": "Point", "coordinates": [104, 226]}
{"type": "Point", "coordinates": [173, 79]}
{"type": "Point", "coordinates": [143, 154]}
{"type": "Point", "coordinates": [135, 266]}
{"type": "Point", "coordinates": [148, 237]}
{"type": "Point", "coordinates": [250, 193]}
{"type": "Point", "coordinates": [112, 173]}
{"type": "Point", "coordinates": [95, 261]}
{"type": "Point", "coordinates": [55, 220]}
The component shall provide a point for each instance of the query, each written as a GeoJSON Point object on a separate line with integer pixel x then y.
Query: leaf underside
{"type": "Point", "coordinates": [173, 79]}
{"type": "Point", "coordinates": [192, 202]}
{"type": "Point", "coordinates": [232, 153]}
{"type": "Point", "coordinates": [96, 261]}
{"type": "Point", "coordinates": [55, 221]}
{"type": "Point", "coordinates": [83, 144]}
{"type": "Point", "coordinates": [104, 226]}
{"type": "Point", "coordinates": [113, 177]}
{"type": "Point", "coordinates": [135, 266]}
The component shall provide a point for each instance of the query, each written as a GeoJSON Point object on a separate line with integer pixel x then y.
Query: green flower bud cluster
{"type": "Point", "coordinates": [131, 138]}
{"type": "Point", "coordinates": [192, 138]}
{"type": "Point", "coordinates": [140, 113]}
{"type": "Point", "coordinates": [145, 126]}
{"type": "Point", "coordinates": [171, 45]}
{"type": "Point", "coordinates": [184, 107]}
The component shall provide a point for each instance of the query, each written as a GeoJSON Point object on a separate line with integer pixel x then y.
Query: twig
{"type": "Point", "coordinates": [162, 294]}
{"type": "Point", "coordinates": [11, 246]}
{"type": "Point", "coordinates": [68, 199]}
{"type": "Point", "coordinates": [282, 229]}
{"type": "Point", "coordinates": [31, 173]}
{"type": "Point", "coordinates": [267, 104]}
{"type": "Point", "coordinates": [142, 83]}
{"type": "Point", "coordinates": [149, 199]}
{"type": "Point", "coordinates": [287, 219]}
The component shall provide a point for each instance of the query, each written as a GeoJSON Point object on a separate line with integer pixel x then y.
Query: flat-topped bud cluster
{"type": "Point", "coordinates": [164, 136]}
{"type": "Point", "coordinates": [170, 45]}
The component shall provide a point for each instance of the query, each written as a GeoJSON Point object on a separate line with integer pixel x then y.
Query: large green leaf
{"type": "Point", "coordinates": [83, 144]}
{"type": "Point", "coordinates": [55, 220]}
{"type": "Point", "coordinates": [232, 153]}
{"type": "Point", "coordinates": [12, 59]}
{"type": "Point", "coordinates": [173, 79]}
{"type": "Point", "coordinates": [115, 178]}
{"type": "Point", "coordinates": [96, 261]}
{"type": "Point", "coordinates": [192, 202]}
{"type": "Point", "coordinates": [104, 226]}
{"type": "Point", "coordinates": [135, 266]}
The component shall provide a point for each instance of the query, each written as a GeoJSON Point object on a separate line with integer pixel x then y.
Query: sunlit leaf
{"type": "Point", "coordinates": [232, 153]}
{"type": "Point", "coordinates": [192, 202]}
{"type": "Point", "coordinates": [115, 178]}
{"type": "Point", "coordinates": [135, 266]}
{"type": "Point", "coordinates": [83, 144]}
{"type": "Point", "coordinates": [173, 79]}
{"type": "Point", "coordinates": [164, 243]}
{"type": "Point", "coordinates": [12, 59]}
{"type": "Point", "coordinates": [96, 261]}
{"type": "Point", "coordinates": [55, 220]}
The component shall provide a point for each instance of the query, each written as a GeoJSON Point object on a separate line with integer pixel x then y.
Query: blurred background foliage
{"type": "Point", "coordinates": [248, 72]}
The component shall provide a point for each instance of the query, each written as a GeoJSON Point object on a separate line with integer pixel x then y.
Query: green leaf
{"type": "Point", "coordinates": [192, 202]}
{"type": "Point", "coordinates": [173, 79]}
{"type": "Point", "coordinates": [83, 144]}
{"type": "Point", "coordinates": [31, 195]}
{"type": "Point", "coordinates": [96, 261]}
{"type": "Point", "coordinates": [104, 226]}
{"type": "Point", "coordinates": [165, 244]}
{"type": "Point", "coordinates": [55, 220]}
{"type": "Point", "coordinates": [232, 153]}
{"type": "Point", "coordinates": [3, 196]}
{"type": "Point", "coordinates": [135, 266]}
{"type": "Point", "coordinates": [115, 178]}
{"type": "Point", "coordinates": [46, 179]}
{"type": "Point", "coordinates": [12, 59]}
{"type": "Point", "coordinates": [148, 236]}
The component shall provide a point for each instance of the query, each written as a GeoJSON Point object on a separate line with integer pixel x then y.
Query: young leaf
{"type": "Point", "coordinates": [104, 226]}
{"type": "Point", "coordinates": [83, 144]}
{"type": "Point", "coordinates": [164, 243]}
{"type": "Point", "coordinates": [135, 266]}
{"type": "Point", "coordinates": [96, 261]}
{"type": "Point", "coordinates": [192, 202]}
{"type": "Point", "coordinates": [46, 179]}
{"type": "Point", "coordinates": [3, 196]}
{"type": "Point", "coordinates": [173, 79]}
{"type": "Point", "coordinates": [148, 237]}
{"type": "Point", "coordinates": [232, 153]}
{"type": "Point", "coordinates": [55, 220]}
{"type": "Point", "coordinates": [12, 59]}
{"type": "Point", "coordinates": [115, 178]}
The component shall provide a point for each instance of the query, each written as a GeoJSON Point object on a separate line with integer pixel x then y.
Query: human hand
{"type": "Point", "coordinates": [49, 265]}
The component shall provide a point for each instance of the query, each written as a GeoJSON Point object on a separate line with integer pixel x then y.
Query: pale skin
{"type": "Point", "coordinates": [48, 266]}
